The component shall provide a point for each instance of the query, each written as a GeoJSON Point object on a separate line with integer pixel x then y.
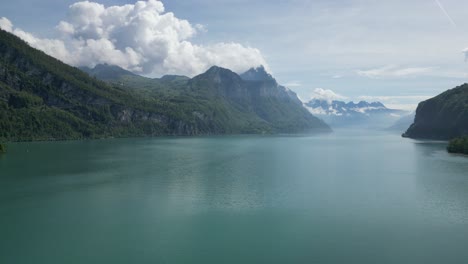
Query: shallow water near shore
{"type": "Point", "coordinates": [345, 197]}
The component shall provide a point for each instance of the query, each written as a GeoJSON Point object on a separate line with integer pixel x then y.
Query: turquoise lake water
{"type": "Point", "coordinates": [340, 198]}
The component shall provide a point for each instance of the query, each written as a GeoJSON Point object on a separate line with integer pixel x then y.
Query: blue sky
{"type": "Point", "coordinates": [393, 51]}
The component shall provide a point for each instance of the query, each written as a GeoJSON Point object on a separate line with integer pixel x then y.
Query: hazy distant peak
{"type": "Point", "coordinates": [113, 68]}
{"type": "Point", "coordinates": [377, 104]}
{"type": "Point", "coordinates": [339, 113]}
{"type": "Point", "coordinates": [257, 74]}
{"type": "Point", "coordinates": [168, 78]}
{"type": "Point", "coordinates": [339, 108]}
{"type": "Point", "coordinates": [350, 104]}
{"type": "Point", "coordinates": [106, 71]}
{"type": "Point", "coordinates": [367, 104]}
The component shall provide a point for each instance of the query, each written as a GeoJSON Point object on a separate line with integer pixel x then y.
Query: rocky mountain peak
{"type": "Point", "coordinates": [257, 74]}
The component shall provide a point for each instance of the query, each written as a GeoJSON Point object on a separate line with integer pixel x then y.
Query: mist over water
{"type": "Point", "coordinates": [345, 197]}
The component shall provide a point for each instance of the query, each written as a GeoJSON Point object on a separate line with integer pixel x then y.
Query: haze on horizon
{"type": "Point", "coordinates": [395, 52]}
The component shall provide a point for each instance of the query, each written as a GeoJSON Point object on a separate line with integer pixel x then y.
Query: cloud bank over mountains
{"type": "Point", "coordinates": [401, 102]}
{"type": "Point", "coordinates": [395, 71]}
{"type": "Point", "coordinates": [139, 37]}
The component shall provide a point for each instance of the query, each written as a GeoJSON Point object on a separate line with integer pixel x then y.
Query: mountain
{"type": "Point", "coordinates": [402, 124]}
{"type": "Point", "coordinates": [117, 76]}
{"type": "Point", "coordinates": [257, 74]}
{"type": "Point", "coordinates": [107, 72]}
{"type": "Point", "coordinates": [261, 96]}
{"type": "Point", "coordinates": [120, 76]}
{"type": "Point", "coordinates": [442, 117]}
{"type": "Point", "coordinates": [340, 108]}
{"type": "Point", "coordinates": [260, 79]}
{"type": "Point", "coordinates": [254, 92]}
{"type": "Point", "coordinates": [42, 98]}
{"type": "Point", "coordinates": [362, 114]}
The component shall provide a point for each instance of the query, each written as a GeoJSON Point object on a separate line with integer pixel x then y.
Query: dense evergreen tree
{"type": "Point", "coordinates": [458, 145]}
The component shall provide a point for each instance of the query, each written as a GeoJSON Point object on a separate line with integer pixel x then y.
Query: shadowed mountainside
{"type": "Point", "coordinates": [442, 117]}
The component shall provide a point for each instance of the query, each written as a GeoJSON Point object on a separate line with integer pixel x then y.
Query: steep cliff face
{"type": "Point", "coordinates": [264, 85]}
{"type": "Point", "coordinates": [257, 93]}
{"type": "Point", "coordinates": [442, 117]}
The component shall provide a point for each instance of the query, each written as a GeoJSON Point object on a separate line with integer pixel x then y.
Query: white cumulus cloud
{"type": "Point", "coordinates": [326, 94]}
{"type": "Point", "coordinates": [6, 24]}
{"type": "Point", "coordinates": [139, 37]}
{"type": "Point", "coordinates": [393, 71]}
{"type": "Point", "coordinates": [402, 102]}
{"type": "Point", "coordinates": [465, 51]}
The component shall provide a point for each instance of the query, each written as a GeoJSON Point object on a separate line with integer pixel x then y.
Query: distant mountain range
{"type": "Point", "coordinates": [363, 114]}
{"type": "Point", "coordinates": [442, 117]}
{"type": "Point", "coordinates": [42, 98]}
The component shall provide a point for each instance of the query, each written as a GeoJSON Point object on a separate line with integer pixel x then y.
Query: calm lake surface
{"type": "Point", "coordinates": [339, 198]}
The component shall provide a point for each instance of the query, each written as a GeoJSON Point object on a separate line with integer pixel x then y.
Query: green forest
{"type": "Point", "coordinates": [458, 145]}
{"type": "Point", "coordinates": [42, 98]}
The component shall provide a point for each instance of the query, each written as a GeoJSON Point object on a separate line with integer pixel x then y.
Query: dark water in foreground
{"type": "Point", "coordinates": [246, 199]}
